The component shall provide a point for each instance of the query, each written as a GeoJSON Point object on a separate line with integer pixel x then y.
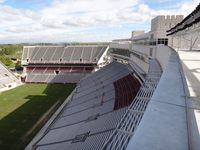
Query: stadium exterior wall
{"type": "Point", "coordinates": [160, 24]}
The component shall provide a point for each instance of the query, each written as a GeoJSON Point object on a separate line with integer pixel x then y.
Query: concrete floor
{"type": "Point", "coordinates": [190, 61]}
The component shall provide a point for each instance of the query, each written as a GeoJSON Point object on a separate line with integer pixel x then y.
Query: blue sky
{"type": "Point", "coordinates": [81, 20]}
{"type": "Point", "coordinates": [28, 4]}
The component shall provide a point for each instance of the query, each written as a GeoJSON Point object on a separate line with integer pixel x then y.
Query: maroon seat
{"type": "Point", "coordinates": [51, 70]}
{"type": "Point", "coordinates": [65, 69]}
{"type": "Point", "coordinates": [126, 89]}
{"type": "Point", "coordinates": [39, 69]}
{"type": "Point", "coordinates": [88, 69]}
{"type": "Point", "coordinates": [29, 69]}
{"type": "Point", "coordinates": [77, 69]}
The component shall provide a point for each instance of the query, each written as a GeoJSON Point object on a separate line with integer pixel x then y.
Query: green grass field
{"type": "Point", "coordinates": [22, 107]}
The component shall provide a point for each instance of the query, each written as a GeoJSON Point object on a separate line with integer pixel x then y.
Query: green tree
{"type": "Point", "coordinates": [6, 60]}
{"type": "Point", "coordinates": [18, 66]}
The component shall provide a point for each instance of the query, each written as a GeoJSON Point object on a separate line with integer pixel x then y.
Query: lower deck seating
{"type": "Point", "coordinates": [90, 117]}
{"type": "Point", "coordinates": [56, 74]}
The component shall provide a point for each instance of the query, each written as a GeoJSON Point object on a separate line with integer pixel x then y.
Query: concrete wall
{"type": "Point", "coordinates": [144, 66]}
{"type": "Point", "coordinates": [141, 65]}
{"type": "Point", "coordinates": [162, 55]}
{"type": "Point", "coordinates": [160, 52]}
{"type": "Point", "coordinates": [139, 50]}
{"type": "Point", "coordinates": [137, 33]}
{"type": "Point", "coordinates": [144, 50]}
{"type": "Point", "coordinates": [160, 24]}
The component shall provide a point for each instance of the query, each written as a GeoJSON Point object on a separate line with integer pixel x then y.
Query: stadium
{"type": "Point", "coordinates": [138, 93]}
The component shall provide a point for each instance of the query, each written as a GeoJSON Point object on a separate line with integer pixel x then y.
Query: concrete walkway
{"type": "Point", "coordinates": [190, 61]}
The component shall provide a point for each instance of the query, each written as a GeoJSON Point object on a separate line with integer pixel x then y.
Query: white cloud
{"type": "Point", "coordinates": [86, 12]}
{"type": "Point", "coordinates": [2, 1]}
{"type": "Point", "coordinates": [64, 20]}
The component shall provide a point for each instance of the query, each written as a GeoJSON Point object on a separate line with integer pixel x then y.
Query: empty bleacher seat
{"type": "Point", "coordinates": [91, 112]}
{"type": "Point", "coordinates": [7, 78]}
{"type": "Point", "coordinates": [58, 64]}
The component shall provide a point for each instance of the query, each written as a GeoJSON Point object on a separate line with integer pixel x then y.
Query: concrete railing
{"type": "Point", "coordinates": [120, 45]}
{"type": "Point", "coordinates": [160, 52]}
{"type": "Point", "coordinates": [139, 55]}
{"type": "Point", "coordinates": [162, 55]}
{"type": "Point", "coordinates": [144, 49]}
{"type": "Point", "coordinates": [164, 124]}
{"type": "Point", "coordinates": [144, 66]}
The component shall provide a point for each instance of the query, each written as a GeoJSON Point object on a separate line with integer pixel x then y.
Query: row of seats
{"type": "Point", "coordinates": [57, 70]}
{"type": "Point", "coordinates": [54, 78]}
{"type": "Point", "coordinates": [188, 21]}
{"type": "Point", "coordinates": [125, 91]}
{"type": "Point", "coordinates": [37, 60]}
{"type": "Point", "coordinates": [44, 74]}
{"type": "Point", "coordinates": [59, 54]}
{"type": "Point", "coordinates": [87, 121]}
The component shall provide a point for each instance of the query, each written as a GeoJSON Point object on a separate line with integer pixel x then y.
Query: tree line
{"type": "Point", "coordinates": [9, 52]}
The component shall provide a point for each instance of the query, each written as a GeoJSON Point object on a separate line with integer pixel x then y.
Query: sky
{"type": "Point", "coordinates": [32, 21]}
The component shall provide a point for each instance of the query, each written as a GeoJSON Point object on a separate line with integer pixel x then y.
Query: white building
{"type": "Point", "coordinates": [143, 45]}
